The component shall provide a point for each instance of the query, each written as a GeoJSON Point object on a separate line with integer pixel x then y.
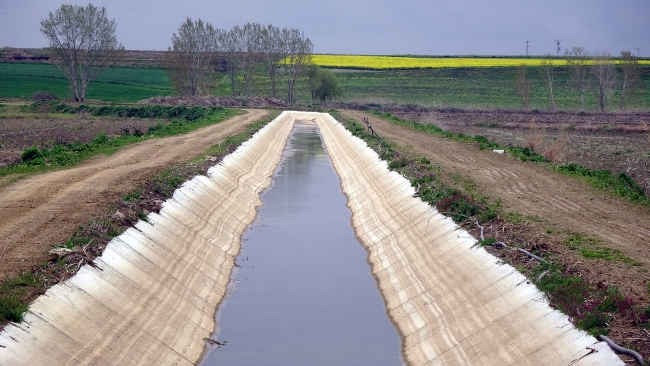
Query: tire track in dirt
{"type": "Point", "coordinates": [45, 209]}
{"type": "Point", "coordinates": [562, 202]}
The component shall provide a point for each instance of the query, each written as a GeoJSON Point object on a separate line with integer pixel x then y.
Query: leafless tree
{"type": "Point", "coordinates": [577, 60]}
{"type": "Point", "coordinates": [522, 85]}
{"type": "Point", "coordinates": [630, 76]}
{"type": "Point", "coordinates": [251, 56]}
{"type": "Point", "coordinates": [233, 47]}
{"type": "Point", "coordinates": [547, 69]}
{"type": "Point", "coordinates": [273, 45]}
{"type": "Point", "coordinates": [83, 42]}
{"type": "Point", "coordinates": [298, 50]}
{"type": "Point", "coordinates": [603, 70]}
{"type": "Point", "coordinates": [189, 59]}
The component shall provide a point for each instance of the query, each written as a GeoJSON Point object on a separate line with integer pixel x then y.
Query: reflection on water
{"type": "Point", "coordinates": [304, 294]}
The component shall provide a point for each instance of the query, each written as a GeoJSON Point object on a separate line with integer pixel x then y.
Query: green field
{"type": "Point", "coordinates": [491, 87]}
{"type": "Point", "coordinates": [482, 87]}
{"type": "Point", "coordinates": [120, 84]}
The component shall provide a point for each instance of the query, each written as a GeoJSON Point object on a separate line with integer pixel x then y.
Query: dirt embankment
{"type": "Point", "coordinates": [619, 142]}
{"type": "Point", "coordinates": [44, 209]}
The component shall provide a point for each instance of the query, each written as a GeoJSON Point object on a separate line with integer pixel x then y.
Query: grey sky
{"type": "Point", "coordinates": [424, 27]}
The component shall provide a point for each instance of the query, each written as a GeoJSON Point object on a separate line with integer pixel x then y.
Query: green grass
{"type": "Point", "coordinates": [591, 248]}
{"type": "Point", "coordinates": [471, 87]}
{"type": "Point", "coordinates": [34, 160]}
{"type": "Point", "coordinates": [11, 307]}
{"type": "Point", "coordinates": [119, 85]}
{"type": "Point", "coordinates": [622, 184]}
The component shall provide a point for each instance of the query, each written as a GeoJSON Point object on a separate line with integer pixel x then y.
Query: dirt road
{"type": "Point", "coordinates": [563, 203]}
{"type": "Point", "coordinates": [45, 209]}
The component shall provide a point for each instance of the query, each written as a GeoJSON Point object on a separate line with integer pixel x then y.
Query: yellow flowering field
{"type": "Point", "coordinates": [396, 62]}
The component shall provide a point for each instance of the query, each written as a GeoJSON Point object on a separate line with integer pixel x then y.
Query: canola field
{"type": "Point", "coordinates": [405, 62]}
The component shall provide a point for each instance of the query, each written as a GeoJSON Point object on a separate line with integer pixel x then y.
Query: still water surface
{"type": "Point", "coordinates": [304, 294]}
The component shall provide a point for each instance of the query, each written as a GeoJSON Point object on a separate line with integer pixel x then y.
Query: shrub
{"type": "Point", "coordinates": [42, 96]}
{"type": "Point", "coordinates": [11, 309]}
{"type": "Point", "coordinates": [30, 153]}
{"type": "Point", "coordinates": [459, 206]}
{"type": "Point", "coordinates": [100, 139]}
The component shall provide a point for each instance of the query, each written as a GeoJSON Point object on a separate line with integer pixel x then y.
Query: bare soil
{"type": "Point", "coordinates": [43, 131]}
{"type": "Point", "coordinates": [555, 205]}
{"type": "Point", "coordinates": [45, 209]}
{"type": "Point", "coordinates": [619, 142]}
{"type": "Point", "coordinates": [211, 100]}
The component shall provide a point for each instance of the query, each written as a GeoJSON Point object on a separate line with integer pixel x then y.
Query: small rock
{"type": "Point", "coordinates": [61, 252]}
{"type": "Point", "coordinates": [118, 215]}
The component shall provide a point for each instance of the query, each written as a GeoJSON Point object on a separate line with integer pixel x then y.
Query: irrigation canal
{"type": "Point", "coordinates": [302, 292]}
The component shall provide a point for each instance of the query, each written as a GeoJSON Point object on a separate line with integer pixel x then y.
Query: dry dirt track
{"type": "Point", "coordinates": [45, 209]}
{"type": "Point", "coordinates": [529, 189]}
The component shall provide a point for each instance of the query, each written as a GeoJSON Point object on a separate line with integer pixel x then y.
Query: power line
{"type": "Point", "coordinates": [558, 46]}
{"type": "Point", "coordinates": [637, 51]}
{"type": "Point", "coordinates": [527, 48]}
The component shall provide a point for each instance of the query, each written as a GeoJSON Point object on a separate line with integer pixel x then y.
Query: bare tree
{"type": "Point", "coordinates": [603, 70]}
{"type": "Point", "coordinates": [189, 59]}
{"type": "Point", "coordinates": [83, 42]}
{"type": "Point", "coordinates": [272, 44]}
{"type": "Point", "coordinates": [577, 60]}
{"type": "Point", "coordinates": [630, 76]}
{"type": "Point", "coordinates": [547, 69]}
{"type": "Point", "coordinates": [233, 48]}
{"type": "Point", "coordinates": [252, 47]}
{"type": "Point", "coordinates": [298, 50]}
{"type": "Point", "coordinates": [522, 85]}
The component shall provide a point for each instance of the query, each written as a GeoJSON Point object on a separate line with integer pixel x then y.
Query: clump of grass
{"type": "Point", "coordinates": [590, 306]}
{"type": "Point", "coordinates": [12, 309]}
{"type": "Point", "coordinates": [591, 248]}
{"type": "Point", "coordinates": [622, 184]}
{"type": "Point", "coordinates": [12, 293]}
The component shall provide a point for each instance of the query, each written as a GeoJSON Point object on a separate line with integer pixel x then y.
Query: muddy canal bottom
{"type": "Point", "coordinates": [303, 294]}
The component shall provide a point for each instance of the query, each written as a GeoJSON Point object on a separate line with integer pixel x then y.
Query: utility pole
{"type": "Point", "coordinates": [637, 51]}
{"type": "Point", "coordinates": [558, 46]}
{"type": "Point", "coordinates": [527, 48]}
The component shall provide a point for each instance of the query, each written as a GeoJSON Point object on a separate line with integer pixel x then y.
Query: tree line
{"type": "Point", "coordinates": [199, 50]}
{"type": "Point", "coordinates": [599, 74]}
{"type": "Point", "coordinates": [84, 44]}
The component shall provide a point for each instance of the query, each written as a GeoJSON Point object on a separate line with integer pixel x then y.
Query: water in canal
{"type": "Point", "coordinates": [304, 294]}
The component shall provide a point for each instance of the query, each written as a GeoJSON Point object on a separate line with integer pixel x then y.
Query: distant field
{"type": "Point", "coordinates": [120, 84]}
{"type": "Point", "coordinates": [480, 87]}
{"type": "Point", "coordinates": [405, 62]}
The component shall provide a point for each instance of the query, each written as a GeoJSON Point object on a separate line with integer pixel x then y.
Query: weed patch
{"type": "Point", "coordinates": [622, 184]}
{"type": "Point", "coordinates": [591, 248]}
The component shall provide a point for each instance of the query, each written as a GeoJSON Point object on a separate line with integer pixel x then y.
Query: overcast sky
{"type": "Point", "coordinates": [422, 27]}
